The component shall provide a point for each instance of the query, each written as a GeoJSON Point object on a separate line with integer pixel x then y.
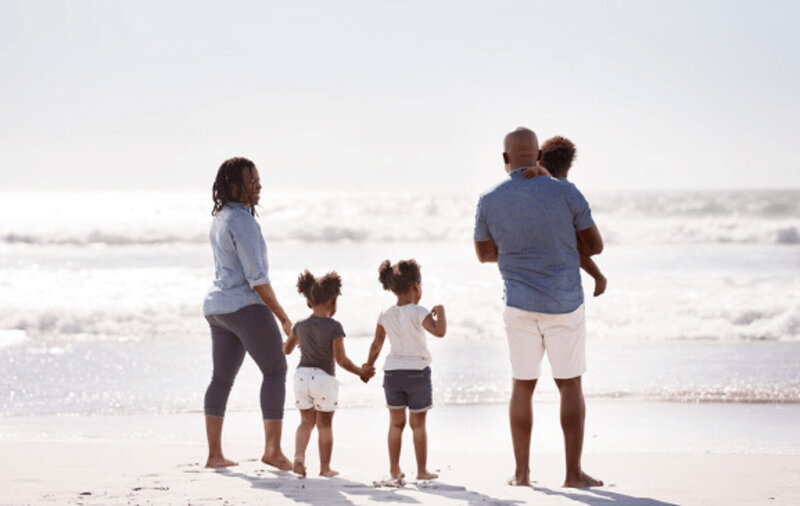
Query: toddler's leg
{"type": "Point", "coordinates": [417, 422]}
{"type": "Point", "coordinates": [325, 432]}
{"type": "Point", "coordinates": [307, 421]}
{"type": "Point", "coordinates": [397, 422]}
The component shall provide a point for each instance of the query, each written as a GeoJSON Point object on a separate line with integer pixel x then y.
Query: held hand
{"type": "Point", "coordinates": [367, 372]}
{"type": "Point", "coordinates": [287, 327]}
{"type": "Point", "coordinates": [536, 170]}
{"type": "Point", "coordinates": [437, 310]}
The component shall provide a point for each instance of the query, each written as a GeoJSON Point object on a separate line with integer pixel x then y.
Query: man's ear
{"type": "Point", "coordinates": [505, 157]}
{"type": "Point", "coordinates": [540, 155]}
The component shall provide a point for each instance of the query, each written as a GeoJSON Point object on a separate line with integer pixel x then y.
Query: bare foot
{"type": "Point", "coordinates": [280, 461]}
{"type": "Point", "coordinates": [425, 475]}
{"type": "Point", "coordinates": [299, 467]}
{"type": "Point", "coordinates": [397, 474]}
{"type": "Point", "coordinates": [582, 481]}
{"type": "Point", "coordinates": [520, 481]}
{"type": "Point", "coordinates": [328, 473]}
{"type": "Point", "coordinates": [214, 462]}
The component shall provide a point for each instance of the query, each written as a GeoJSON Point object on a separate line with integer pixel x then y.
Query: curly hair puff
{"type": "Point", "coordinates": [400, 277]}
{"type": "Point", "coordinates": [318, 291]}
{"type": "Point", "coordinates": [558, 153]}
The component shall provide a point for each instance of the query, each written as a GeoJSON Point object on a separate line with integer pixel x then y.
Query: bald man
{"type": "Point", "coordinates": [534, 229]}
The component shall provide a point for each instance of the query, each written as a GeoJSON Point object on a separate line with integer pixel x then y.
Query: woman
{"type": "Point", "coordinates": [241, 308]}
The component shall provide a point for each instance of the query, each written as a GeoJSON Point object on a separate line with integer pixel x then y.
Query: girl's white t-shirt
{"type": "Point", "coordinates": [403, 325]}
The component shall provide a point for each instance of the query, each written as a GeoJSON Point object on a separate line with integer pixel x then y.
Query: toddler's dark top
{"type": "Point", "coordinates": [316, 335]}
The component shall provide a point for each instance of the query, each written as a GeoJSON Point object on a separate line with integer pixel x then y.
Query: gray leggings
{"type": "Point", "coordinates": [252, 329]}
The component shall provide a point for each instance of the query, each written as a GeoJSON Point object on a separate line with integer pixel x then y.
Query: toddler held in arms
{"type": "Point", "coordinates": [407, 372]}
{"type": "Point", "coordinates": [557, 155]}
{"type": "Point", "coordinates": [321, 340]}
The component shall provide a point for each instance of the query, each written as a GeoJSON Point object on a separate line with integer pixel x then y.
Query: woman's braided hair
{"type": "Point", "coordinates": [229, 183]}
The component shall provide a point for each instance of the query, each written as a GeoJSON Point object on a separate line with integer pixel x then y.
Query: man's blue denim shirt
{"type": "Point", "coordinates": [534, 224]}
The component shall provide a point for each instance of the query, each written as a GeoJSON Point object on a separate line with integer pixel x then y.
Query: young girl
{"type": "Point", "coordinates": [557, 155]}
{"type": "Point", "coordinates": [407, 375]}
{"type": "Point", "coordinates": [315, 387]}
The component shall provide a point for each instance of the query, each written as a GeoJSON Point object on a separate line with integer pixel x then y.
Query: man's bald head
{"type": "Point", "coordinates": [521, 148]}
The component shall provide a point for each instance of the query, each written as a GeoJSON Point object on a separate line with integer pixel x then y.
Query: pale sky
{"type": "Point", "coordinates": [396, 95]}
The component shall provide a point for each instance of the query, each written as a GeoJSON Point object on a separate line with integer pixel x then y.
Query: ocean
{"type": "Point", "coordinates": [100, 296]}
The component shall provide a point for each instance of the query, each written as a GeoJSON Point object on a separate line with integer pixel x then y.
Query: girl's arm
{"type": "Point", "coordinates": [436, 321]}
{"type": "Point", "coordinates": [376, 346]}
{"type": "Point", "coordinates": [343, 361]}
{"type": "Point", "coordinates": [290, 343]}
{"type": "Point", "coordinates": [271, 300]}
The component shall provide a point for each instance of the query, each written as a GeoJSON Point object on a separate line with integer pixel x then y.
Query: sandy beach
{"type": "Point", "coordinates": [158, 459]}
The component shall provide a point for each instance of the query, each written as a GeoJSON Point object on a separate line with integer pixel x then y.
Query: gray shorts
{"type": "Point", "coordinates": [410, 388]}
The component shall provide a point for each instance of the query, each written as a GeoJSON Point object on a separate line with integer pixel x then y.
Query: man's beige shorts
{"type": "Point", "coordinates": [530, 334]}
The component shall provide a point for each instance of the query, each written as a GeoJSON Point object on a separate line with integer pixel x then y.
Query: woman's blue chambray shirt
{"type": "Point", "coordinates": [240, 260]}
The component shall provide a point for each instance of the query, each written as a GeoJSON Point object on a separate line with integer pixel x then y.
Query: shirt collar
{"type": "Point", "coordinates": [518, 170]}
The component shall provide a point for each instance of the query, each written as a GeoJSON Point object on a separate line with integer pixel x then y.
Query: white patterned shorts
{"type": "Point", "coordinates": [531, 334]}
{"type": "Point", "coordinates": [314, 388]}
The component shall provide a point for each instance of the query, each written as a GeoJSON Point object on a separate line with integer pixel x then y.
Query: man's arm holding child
{"type": "Point", "coordinates": [486, 251]}
{"type": "Point", "coordinates": [590, 243]}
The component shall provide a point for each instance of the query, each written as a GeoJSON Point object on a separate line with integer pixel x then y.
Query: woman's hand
{"type": "Point", "coordinates": [287, 327]}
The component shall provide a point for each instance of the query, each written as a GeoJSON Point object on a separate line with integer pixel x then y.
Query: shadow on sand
{"type": "Point", "coordinates": [601, 496]}
{"type": "Point", "coordinates": [336, 490]}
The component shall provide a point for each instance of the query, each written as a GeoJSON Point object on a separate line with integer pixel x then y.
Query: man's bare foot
{"type": "Point", "coordinates": [280, 461]}
{"type": "Point", "coordinates": [519, 481]}
{"type": "Point", "coordinates": [299, 467]}
{"type": "Point", "coordinates": [328, 473]}
{"type": "Point", "coordinates": [214, 462]}
{"type": "Point", "coordinates": [425, 475]}
{"type": "Point", "coordinates": [397, 474]}
{"type": "Point", "coordinates": [582, 481]}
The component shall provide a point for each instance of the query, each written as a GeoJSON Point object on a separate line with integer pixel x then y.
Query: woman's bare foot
{"type": "Point", "coordinates": [279, 460]}
{"type": "Point", "coordinates": [299, 466]}
{"type": "Point", "coordinates": [425, 475]}
{"type": "Point", "coordinates": [328, 473]}
{"type": "Point", "coordinates": [214, 462]}
{"type": "Point", "coordinates": [582, 481]}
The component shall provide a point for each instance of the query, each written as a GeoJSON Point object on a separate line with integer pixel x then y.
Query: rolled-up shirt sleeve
{"type": "Point", "coordinates": [481, 232]}
{"type": "Point", "coordinates": [582, 214]}
{"type": "Point", "coordinates": [252, 251]}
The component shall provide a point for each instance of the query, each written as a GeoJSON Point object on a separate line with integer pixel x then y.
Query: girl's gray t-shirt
{"type": "Point", "coordinates": [316, 335]}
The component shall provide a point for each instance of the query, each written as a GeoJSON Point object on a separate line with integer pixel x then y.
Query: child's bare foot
{"type": "Point", "coordinates": [582, 481]}
{"type": "Point", "coordinates": [425, 475]}
{"type": "Point", "coordinates": [299, 466]}
{"type": "Point", "coordinates": [600, 286]}
{"type": "Point", "coordinates": [220, 462]}
{"type": "Point", "coordinates": [328, 473]}
{"type": "Point", "coordinates": [278, 460]}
